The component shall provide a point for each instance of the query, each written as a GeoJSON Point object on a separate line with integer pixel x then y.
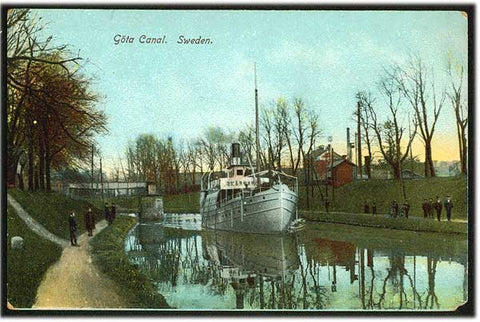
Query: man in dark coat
{"type": "Point", "coordinates": [438, 208]}
{"type": "Point", "coordinates": [90, 221]}
{"type": "Point", "coordinates": [366, 208]}
{"type": "Point", "coordinates": [374, 208]}
{"type": "Point", "coordinates": [431, 207]}
{"type": "Point", "coordinates": [448, 207]}
{"type": "Point", "coordinates": [113, 212]}
{"type": "Point", "coordinates": [107, 213]}
{"type": "Point", "coordinates": [73, 229]}
{"type": "Point", "coordinates": [327, 204]}
{"type": "Point", "coordinates": [406, 208]}
{"type": "Point", "coordinates": [425, 208]}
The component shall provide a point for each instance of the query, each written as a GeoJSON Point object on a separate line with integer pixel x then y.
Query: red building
{"type": "Point", "coordinates": [343, 169]}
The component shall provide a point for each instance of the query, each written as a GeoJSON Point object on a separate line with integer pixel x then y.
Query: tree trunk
{"type": "Point", "coordinates": [41, 167]}
{"type": "Point", "coordinates": [21, 185]}
{"type": "Point", "coordinates": [12, 165]}
{"type": "Point", "coordinates": [396, 171]}
{"type": "Point", "coordinates": [36, 179]}
{"type": "Point", "coordinates": [30, 157]}
{"type": "Point", "coordinates": [48, 159]}
{"type": "Point", "coordinates": [463, 160]}
{"type": "Point", "coordinates": [429, 167]}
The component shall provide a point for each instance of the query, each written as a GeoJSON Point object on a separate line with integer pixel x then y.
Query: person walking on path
{"type": "Point", "coordinates": [406, 208]}
{"type": "Point", "coordinates": [438, 208]}
{"type": "Point", "coordinates": [366, 208]}
{"type": "Point", "coordinates": [431, 206]}
{"type": "Point", "coordinates": [113, 212]}
{"type": "Point", "coordinates": [425, 208]}
{"type": "Point", "coordinates": [374, 208]}
{"type": "Point", "coordinates": [448, 207]}
{"type": "Point", "coordinates": [107, 213]}
{"type": "Point", "coordinates": [90, 221]}
{"type": "Point", "coordinates": [73, 229]}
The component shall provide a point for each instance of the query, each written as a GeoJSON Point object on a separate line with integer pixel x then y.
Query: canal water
{"type": "Point", "coordinates": [323, 267]}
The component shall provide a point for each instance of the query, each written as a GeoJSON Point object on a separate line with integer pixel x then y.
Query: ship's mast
{"type": "Point", "coordinates": [257, 140]}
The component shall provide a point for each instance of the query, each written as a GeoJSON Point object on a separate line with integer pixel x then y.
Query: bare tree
{"type": "Point", "coordinates": [390, 133]}
{"type": "Point", "coordinates": [418, 86]}
{"type": "Point", "coordinates": [366, 99]}
{"type": "Point", "coordinates": [457, 98]}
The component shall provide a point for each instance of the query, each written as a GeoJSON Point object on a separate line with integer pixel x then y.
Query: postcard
{"type": "Point", "coordinates": [237, 160]}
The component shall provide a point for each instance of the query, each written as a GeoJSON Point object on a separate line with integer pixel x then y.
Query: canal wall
{"type": "Point", "coordinates": [384, 221]}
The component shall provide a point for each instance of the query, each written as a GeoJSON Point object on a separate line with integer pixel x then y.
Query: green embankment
{"type": "Point", "coordinates": [109, 255]}
{"type": "Point", "coordinates": [26, 267]}
{"type": "Point", "coordinates": [351, 197]}
{"type": "Point", "coordinates": [380, 221]}
{"type": "Point", "coordinates": [52, 209]}
{"type": "Point", "coordinates": [182, 203]}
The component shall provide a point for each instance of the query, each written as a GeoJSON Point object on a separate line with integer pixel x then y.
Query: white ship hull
{"type": "Point", "coordinates": [268, 211]}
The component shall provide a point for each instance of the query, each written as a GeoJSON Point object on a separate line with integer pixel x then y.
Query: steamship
{"type": "Point", "coordinates": [242, 200]}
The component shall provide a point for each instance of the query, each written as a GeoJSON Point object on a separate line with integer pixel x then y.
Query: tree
{"type": "Point", "coordinates": [457, 98]}
{"type": "Point", "coordinates": [418, 86]}
{"type": "Point", "coordinates": [50, 111]}
{"type": "Point", "coordinates": [390, 133]}
{"type": "Point", "coordinates": [365, 100]}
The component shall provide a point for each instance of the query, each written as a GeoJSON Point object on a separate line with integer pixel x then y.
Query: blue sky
{"type": "Point", "coordinates": [324, 57]}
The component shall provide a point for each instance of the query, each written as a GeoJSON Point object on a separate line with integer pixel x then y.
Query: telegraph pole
{"type": "Point", "coordinates": [257, 135]}
{"type": "Point", "coordinates": [91, 180]}
{"type": "Point", "coordinates": [101, 177]}
{"type": "Point", "coordinates": [359, 140]}
{"type": "Point", "coordinates": [331, 174]}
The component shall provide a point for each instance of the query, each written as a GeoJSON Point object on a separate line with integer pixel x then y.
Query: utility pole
{"type": "Point", "coordinates": [333, 179]}
{"type": "Point", "coordinates": [359, 140]}
{"type": "Point", "coordinates": [101, 177]}
{"type": "Point", "coordinates": [91, 179]}
{"type": "Point", "coordinates": [257, 135]}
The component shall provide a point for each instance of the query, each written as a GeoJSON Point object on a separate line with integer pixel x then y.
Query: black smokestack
{"type": "Point", "coordinates": [235, 150]}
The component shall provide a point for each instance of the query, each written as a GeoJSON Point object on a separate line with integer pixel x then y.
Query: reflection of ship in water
{"type": "Point", "coordinates": [250, 261]}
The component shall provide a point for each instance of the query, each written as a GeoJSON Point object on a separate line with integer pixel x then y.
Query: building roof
{"type": "Point", "coordinates": [338, 162]}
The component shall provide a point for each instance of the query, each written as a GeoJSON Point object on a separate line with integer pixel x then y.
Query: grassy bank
{"type": "Point", "coordinates": [351, 197]}
{"type": "Point", "coordinates": [52, 209]}
{"type": "Point", "coordinates": [182, 203]}
{"type": "Point", "coordinates": [109, 255]}
{"type": "Point", "coordinates": [26, 267]}
{"type": "Point", "coordinates": [379, 221]}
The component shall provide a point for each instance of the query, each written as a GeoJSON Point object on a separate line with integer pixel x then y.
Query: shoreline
{"type": "Point", "coordinates": [381, 221]}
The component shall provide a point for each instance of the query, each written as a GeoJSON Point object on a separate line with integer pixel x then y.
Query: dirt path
{"type": "Point", "coordinates": [74, 282]}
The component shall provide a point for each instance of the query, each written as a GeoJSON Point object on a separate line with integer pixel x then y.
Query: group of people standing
{"type": "Point", "coordinates": [430, 206]}
{"type": "Point", "coordinates": [395, 210]}
{"type": "Point", "coordinates": [110, 213]}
